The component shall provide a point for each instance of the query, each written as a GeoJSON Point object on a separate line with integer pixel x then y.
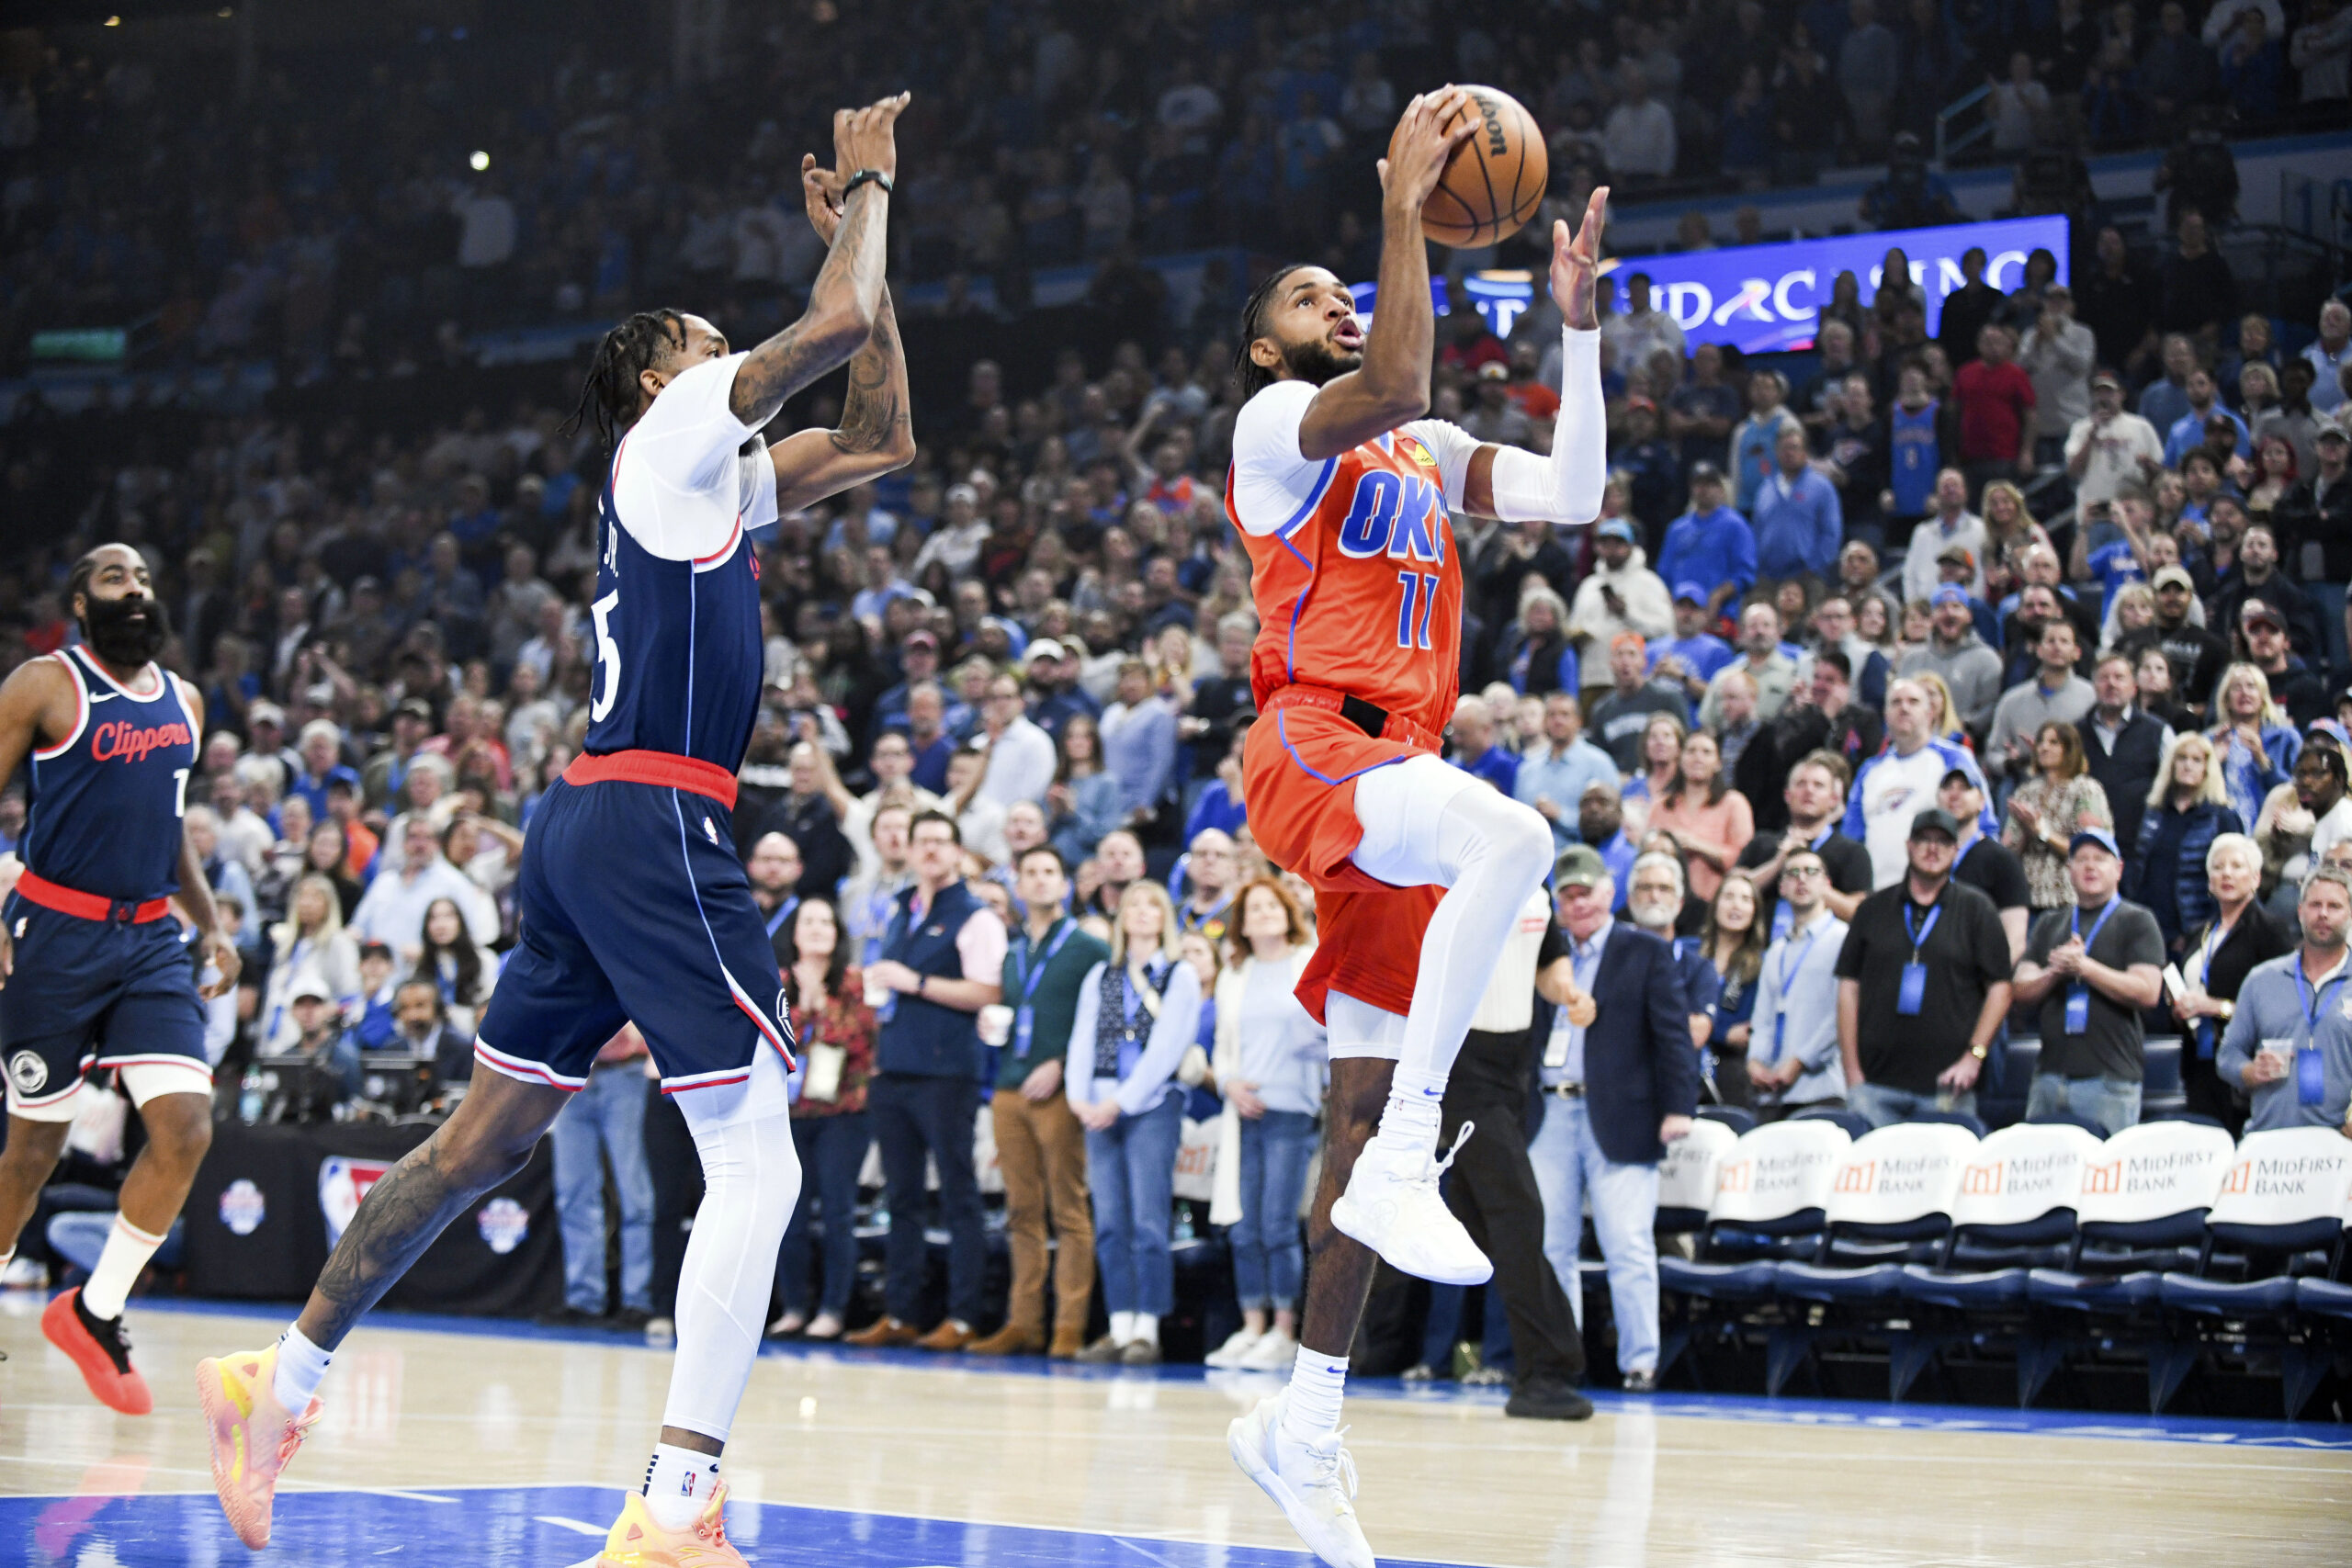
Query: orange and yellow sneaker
{"type": "Point", "coordinates": [637, 1541]}
{"type": "Point", "coordinates": [100, 1348]}
{"type": "Point", "coordinates": [251, 1434]}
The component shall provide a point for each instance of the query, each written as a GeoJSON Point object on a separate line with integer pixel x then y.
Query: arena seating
{"type": "Point", "coordinates": [2162, 1248]}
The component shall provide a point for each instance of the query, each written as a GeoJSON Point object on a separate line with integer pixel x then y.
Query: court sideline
{"type": "Point", "coordinates": [517, 1444]}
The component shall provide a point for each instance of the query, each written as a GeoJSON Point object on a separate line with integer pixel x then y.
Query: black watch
{"type": "Point", "coordinates": [868, 176]}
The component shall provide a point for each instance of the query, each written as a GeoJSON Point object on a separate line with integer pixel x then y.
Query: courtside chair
{"type": "Point", "coordinates": [1737, 1118]}
{"type": "Point", "coordinates": [1855, 1124]}
{"type": "Point", "coordinates": [2141, 1211]}
{"type": "Point", "coordinates": [2283, 1198]}
{"type": "Point", "coordinates": [2015, 1206]}
{"type": "Point", "coordinates": [2161, 1093]}
{"type": "Point", "coordinates": [1894, 1194]}
{"type": "Point", "coordinates": [1771, 1192]}
{"type": "Point", "coordinates": [2326, 1306]}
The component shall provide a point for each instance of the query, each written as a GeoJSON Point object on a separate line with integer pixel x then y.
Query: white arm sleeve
{"type": "Point", "coordinates": [1452, 447]}
{"type": "Point", "coordinates": [1273, 487]}
{"type": "Point", "coordinates": [1567, 487]}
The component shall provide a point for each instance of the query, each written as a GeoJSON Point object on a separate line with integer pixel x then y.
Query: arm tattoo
{"type": "Point", "coordinates": [811, 345]}
{"type": "Point", "coordinates": [873, 409]}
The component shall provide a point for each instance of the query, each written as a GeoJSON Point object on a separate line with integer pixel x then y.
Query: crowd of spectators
{"type": "Point", "coordinates": [362, 210]}
{"type": "Point", "coordinates": [2073, 563]}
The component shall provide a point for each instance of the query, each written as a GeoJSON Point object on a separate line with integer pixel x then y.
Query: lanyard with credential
{"type": "Point", "coordinates": [1791, 964]}
{"type": "Point", "coordinates": [2078, 995]}
{"type": "Point", "coordinates": [1033, 969]}
{"type": "Point", "coordinates": [1914, 993]}
{"type": "Point", "coordinates": [783, 913]}
{"type": "Point", "coordinates": [2311, 1072]}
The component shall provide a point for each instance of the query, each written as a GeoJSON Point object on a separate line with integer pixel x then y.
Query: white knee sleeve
{"type": "Point", "coordinates": [1427, 823]}
{"type": "Point", "coordinates": [751, 1175]}
{"type": "Point", "coordinates": [1359, 1029]}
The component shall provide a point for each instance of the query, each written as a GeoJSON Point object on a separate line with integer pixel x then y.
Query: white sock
{"type": "Point", "coordinates": [1317, 1384]}
{"type": "Point", "coordinates": [678, 1484]}
{"type": "Point", "coordinates": [1146, 1328]}
{"type": "Point", "coordinates": [126, 1253]}
{"type": "Point", "coordinates": [300, 1366]}
{"type": "Point", "coordinates": [1415, 1098]}
{"type": "Point", "coordinates": [1122, 1328]}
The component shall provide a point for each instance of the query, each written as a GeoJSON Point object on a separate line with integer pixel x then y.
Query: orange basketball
{"type": "Point", "coordinates": [1494, 181]}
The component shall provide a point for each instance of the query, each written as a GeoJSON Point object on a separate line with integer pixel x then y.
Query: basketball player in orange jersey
{"type": "Point", "coordinates": [1342, 489]}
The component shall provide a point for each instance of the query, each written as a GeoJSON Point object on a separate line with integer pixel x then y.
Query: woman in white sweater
{"type": "Point", "coordinates": [1136, 1015]}
{"type": "Point", "coordinates": [1269, 1066]}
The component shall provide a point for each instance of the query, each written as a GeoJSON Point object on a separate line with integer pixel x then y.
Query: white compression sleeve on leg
{"type": "Point", "coordinates": [1565, 487]}
{"type": "Point", "coordinates": [751, 1181]}
{"type": "Point", "coordinates": [1427, 822]}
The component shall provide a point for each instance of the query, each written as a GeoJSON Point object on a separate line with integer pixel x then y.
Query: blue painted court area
{"type": "Point", "coordinates": [546, 1527]}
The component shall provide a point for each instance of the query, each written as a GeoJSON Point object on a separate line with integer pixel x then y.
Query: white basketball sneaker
{"type": "Point", "coordinates": [1313, 1484]}
{"type": "Point", "coordinates": [1392, 1207]}
{"type": "Point", "coordinates": [1229, 1354]}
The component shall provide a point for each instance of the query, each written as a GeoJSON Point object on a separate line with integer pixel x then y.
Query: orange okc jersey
{"type": "Point", "coordinates": [1353, 565]}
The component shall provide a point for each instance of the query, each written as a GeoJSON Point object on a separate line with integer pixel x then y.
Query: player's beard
{"type": "Point", "coordinates": [125, 632]}
{"type": "Point", "coordinates": [1315, 361]}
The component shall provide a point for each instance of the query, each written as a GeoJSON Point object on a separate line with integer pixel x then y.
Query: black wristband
{"type": "Point", "coordinates": [867, 176]}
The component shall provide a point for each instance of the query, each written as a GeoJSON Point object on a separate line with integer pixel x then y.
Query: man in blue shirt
{"type": "Point", "coordinates": [2188, 431]}
{"type": "Point", "coordinates": [1553, 772]}
{"type": "Point", "coordinates": [1692, 655]}
{"type": "Point", "coordinates": [1709, 545]}
{"type": "Point", "coordinates": [1474, 750]}
{"type": "Point", "coordinates": [1799, 524]}
{"type": "Point", "coordinates": [2298, 1074]}
{"type": "Point", "coordinates": [1600, 823]}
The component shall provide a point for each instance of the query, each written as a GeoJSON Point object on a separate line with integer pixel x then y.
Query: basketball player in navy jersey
{"type": "Point", "coordinates": [94, 974]}
{"type": "Point", "coordinates": [633, 906]}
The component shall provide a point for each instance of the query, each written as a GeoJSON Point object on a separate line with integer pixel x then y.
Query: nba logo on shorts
{"type": "Point", "coordinates": [28, 1071]}
{"type": "Point", "coordinates": [708, 832]}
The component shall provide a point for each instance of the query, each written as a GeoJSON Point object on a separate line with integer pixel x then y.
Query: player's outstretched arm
{"type": "Point", "coordinates": [1392, 385]}
{"type": "Point", "coordinates": [1517, 485]}
{"type": "Point", "coordinates": [875, 434]}
{"type": "Point", "coordinates": [846, 297]}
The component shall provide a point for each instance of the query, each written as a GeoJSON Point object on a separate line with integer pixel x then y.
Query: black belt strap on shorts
{"type": "Point", "coordinates": [1364, 715]}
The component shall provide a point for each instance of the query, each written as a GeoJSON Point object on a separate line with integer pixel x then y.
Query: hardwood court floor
{"type": "Point", "coordinates": [459, 1444]}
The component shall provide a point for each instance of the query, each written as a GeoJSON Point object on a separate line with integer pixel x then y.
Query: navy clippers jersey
{"type": "Point", "coordinates": [106, 802]}
{"type": "Point", "coordinates": [679, 657]}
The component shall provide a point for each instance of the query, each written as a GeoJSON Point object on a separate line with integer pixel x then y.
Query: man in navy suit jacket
{"type": "Point", "coordinates": [1621, 1081]}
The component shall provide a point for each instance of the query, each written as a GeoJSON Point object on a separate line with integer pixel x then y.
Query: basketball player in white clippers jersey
{"type": "Point", "coordinates": [632, 902]}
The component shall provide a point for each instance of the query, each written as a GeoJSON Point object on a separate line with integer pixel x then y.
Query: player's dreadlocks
{"type": "Point", "coordinates": [1248, 374]}
{"type": "Point", "coordinates": [610, 392]}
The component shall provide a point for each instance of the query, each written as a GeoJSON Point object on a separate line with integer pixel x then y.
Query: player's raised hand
{"type": "Point", "coordinates": [867, 137]}
{"type": "Point", "coordinates": [1576, 262]}
{"type": "Point", "coordinates": [1431, 127]}
{"type": "Point", "coordinates": [821, 193]}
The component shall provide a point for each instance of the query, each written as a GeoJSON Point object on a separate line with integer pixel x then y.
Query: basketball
{"type": "Point", "coordinates": [1494, 181]}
